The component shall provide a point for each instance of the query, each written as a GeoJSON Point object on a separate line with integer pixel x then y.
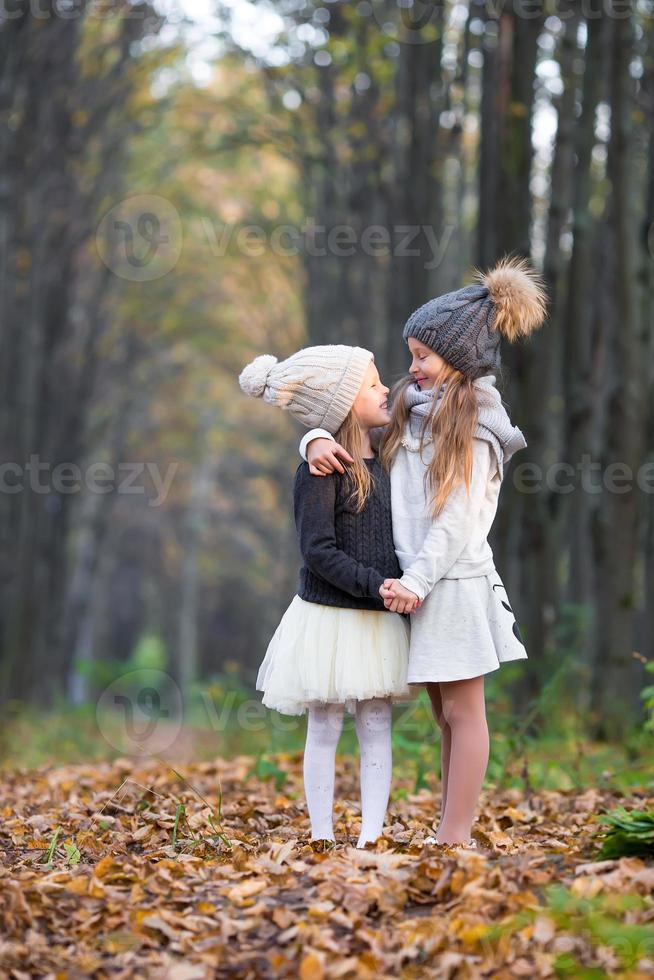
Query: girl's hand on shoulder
{"type": "Point", "coordinates": [397, 598]}
{"type": "Point", "coordinates": [324, 455]}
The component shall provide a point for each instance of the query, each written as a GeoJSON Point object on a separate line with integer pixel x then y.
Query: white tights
{"type": "Point", "coordinates": [373, 728]}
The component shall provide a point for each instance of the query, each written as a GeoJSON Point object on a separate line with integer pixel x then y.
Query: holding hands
{"type": "Point", "coordinates": [397, 598]}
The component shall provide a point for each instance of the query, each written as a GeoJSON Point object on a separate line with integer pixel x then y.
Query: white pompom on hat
{"type": "Point", "coordinates": [317, 385]}
{"type": "Point", "coordinates": [254, 378]}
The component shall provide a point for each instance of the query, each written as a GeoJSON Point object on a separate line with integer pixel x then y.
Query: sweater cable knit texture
{"type": "Point", "coordinates": [347, 555]}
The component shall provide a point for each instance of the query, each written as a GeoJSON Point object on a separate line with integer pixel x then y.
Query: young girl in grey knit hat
{"type": "Point", "coordinates": [448, 443]}
{"type": "Point", "coordinates": [336, 646]}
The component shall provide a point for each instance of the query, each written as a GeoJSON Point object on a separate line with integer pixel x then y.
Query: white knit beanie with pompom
{"type": "Point", "coordinates": [317, 385]}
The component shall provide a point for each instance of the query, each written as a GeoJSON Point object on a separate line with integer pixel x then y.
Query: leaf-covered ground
{"type": "Point", "coordinates": [128, 870]}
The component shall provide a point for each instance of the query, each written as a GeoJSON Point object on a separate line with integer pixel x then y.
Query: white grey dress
{"type": "Point", "coordinates": [466, 626]}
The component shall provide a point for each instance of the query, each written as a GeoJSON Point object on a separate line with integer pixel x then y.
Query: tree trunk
{"type": "Point", "coordinates": [542, 541]}
{"type": "Point", "coordinates": [616, 684]}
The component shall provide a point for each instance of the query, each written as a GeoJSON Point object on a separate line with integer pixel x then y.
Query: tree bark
{"type": "Point", "coordinates": [616, 685]}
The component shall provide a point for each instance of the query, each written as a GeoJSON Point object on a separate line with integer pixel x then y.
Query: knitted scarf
{"type": "Point", "coordinates": [493, 422]}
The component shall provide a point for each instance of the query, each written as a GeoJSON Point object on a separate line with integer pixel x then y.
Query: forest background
{"type": "Point", "coordinates": [182, 188]}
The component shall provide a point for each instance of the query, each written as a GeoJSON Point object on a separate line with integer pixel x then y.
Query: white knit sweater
{"type": "Point", "coordinates": [454, 544]}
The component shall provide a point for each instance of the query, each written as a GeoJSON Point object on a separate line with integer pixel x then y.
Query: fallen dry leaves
{"type": "Point", "coordinates": [118, 899]}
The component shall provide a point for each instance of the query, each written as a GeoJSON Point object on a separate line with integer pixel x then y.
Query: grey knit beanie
{"type": "Point", "coordinates": [465, 326]}
{"type": "Point", "coordinates": [317, 385]}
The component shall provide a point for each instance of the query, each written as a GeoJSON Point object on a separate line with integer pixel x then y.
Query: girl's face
{"type": "Point", "coordinates": [371, 404]}
{"type": "Point", "coordinates": [426, 364]}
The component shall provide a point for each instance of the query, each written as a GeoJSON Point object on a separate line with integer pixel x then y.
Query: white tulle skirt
{"type": "Point", "coordinates": [324, 654]}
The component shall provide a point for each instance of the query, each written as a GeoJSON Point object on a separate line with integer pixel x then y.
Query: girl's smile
{"type": "Point", "coordinates": [371, 403]}
{"type": "Point", "coordinates": [426, 364]}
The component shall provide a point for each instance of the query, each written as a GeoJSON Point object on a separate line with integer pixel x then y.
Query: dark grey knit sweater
{"type": "Point", "coordinates": [347, 555]}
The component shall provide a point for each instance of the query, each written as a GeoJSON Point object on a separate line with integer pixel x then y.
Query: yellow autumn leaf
{"type": "Point", "coordinates": [105, 866]}
{"type": "Point", "coordinates": [470, 935]}
{"type": "Point", "coordinates": [311, 968]}
{"type": "Point", "coordinates": [587, 887]}
{"type": "Point", "coordinates": [246, 889]}
{"type": "Point", "coordinates": [206, 908]}
{"type": "Point", "coordinates": [79, 885]}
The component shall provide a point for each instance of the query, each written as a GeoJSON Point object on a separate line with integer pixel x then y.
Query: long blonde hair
{"type": "Point", "coordinates": [450, 424]}
{"type": "Point", "coordinates": [519, 297]}
{"type": "Point", "coordinates": [358, 474]}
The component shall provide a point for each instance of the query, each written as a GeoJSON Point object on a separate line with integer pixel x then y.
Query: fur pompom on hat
{"type": "Point", "coordinates": [317, 385]}
{"type": "Point", "coordinates": [465, 326]}
{"type": "Point", "coordinates": [518, 294]}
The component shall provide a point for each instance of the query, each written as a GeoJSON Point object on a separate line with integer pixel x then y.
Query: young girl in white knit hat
{"type": "Point", "coordinates": [337, 647]}
{"type": "Point", "coordinates": [447, 445]}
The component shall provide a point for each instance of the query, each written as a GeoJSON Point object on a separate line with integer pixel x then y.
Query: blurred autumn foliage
{"type": "Point", "coordinates": [178, 194]}
{"type": "Point", "coordinates": [108, 370]}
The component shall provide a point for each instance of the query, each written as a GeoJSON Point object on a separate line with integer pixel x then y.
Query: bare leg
{"type": "Point", "coordinates": [464, 711]}
{"type": "Point", "coordinates": [434, 692]}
